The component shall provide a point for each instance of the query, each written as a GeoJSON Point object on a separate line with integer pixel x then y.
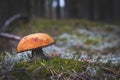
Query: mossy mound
{"type": "Point", "coordinates": [60, 69]}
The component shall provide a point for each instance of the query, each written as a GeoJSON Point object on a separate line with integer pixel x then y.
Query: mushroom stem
{"type": "Point", "coordinates": [36, 53]}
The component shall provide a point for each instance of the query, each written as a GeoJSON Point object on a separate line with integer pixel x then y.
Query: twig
{"type": "Point", "coordinates": [60, 75]}
{"type": "Point", "coordinates": [37, 69]}
{"type": "Point", "coordinates": [10, 36]}
{"type": "Point", "coordinates": [111, 70]}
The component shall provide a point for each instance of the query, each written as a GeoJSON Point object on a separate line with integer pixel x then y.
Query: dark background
{"type": "Point", "coordinates": [95, 10]}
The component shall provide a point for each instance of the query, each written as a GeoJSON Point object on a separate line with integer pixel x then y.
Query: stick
{"type": "Point", "coordinates": [10, 36]}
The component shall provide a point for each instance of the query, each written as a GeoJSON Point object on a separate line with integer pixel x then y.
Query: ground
{"type": "Point", "coordinates": [89, 50]}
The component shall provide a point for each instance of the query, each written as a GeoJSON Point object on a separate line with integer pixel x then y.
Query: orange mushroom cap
{"type": "Point", "coordinates": [33, 41]}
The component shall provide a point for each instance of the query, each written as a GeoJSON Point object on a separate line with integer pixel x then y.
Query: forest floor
{"type": "Point", "coordinates": [89, 51]}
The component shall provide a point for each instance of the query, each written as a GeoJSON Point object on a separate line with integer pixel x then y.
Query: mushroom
{"type": "Point", "coordinates": [35, 42]}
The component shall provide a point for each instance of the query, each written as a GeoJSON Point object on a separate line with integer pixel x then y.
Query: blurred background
{"type": "Point", "coordinates": [96, 10]}
{"type": "Point", "coordinates": [56, 17]}
{"type": "Point", "coordinates": [84, 30]}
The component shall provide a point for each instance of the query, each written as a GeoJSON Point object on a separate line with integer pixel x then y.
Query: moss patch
{"type": "Point", "coordinates": [45, 69]}
{"type": "Point", "coordinates": [55, 27]}
{"type": "Point", "coordinates": [69, 69]}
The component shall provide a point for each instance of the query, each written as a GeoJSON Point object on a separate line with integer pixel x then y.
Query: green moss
{"type": "Point", "coordinates": [2, 56]}
{"type": "Point", "coordinates": [52, 27]}
{"type": "Point", "coordinates": [57, 64]}
{"type": "Point", "coordinates": [55, 27]}
{"type": "Point", "coordinates": [44, 69]}
{"type": "Point", "coordinates": [92, 41]}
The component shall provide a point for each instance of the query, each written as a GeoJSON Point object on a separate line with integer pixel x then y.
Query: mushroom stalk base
{"type": "Point", "coordinates": [36, 53]}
